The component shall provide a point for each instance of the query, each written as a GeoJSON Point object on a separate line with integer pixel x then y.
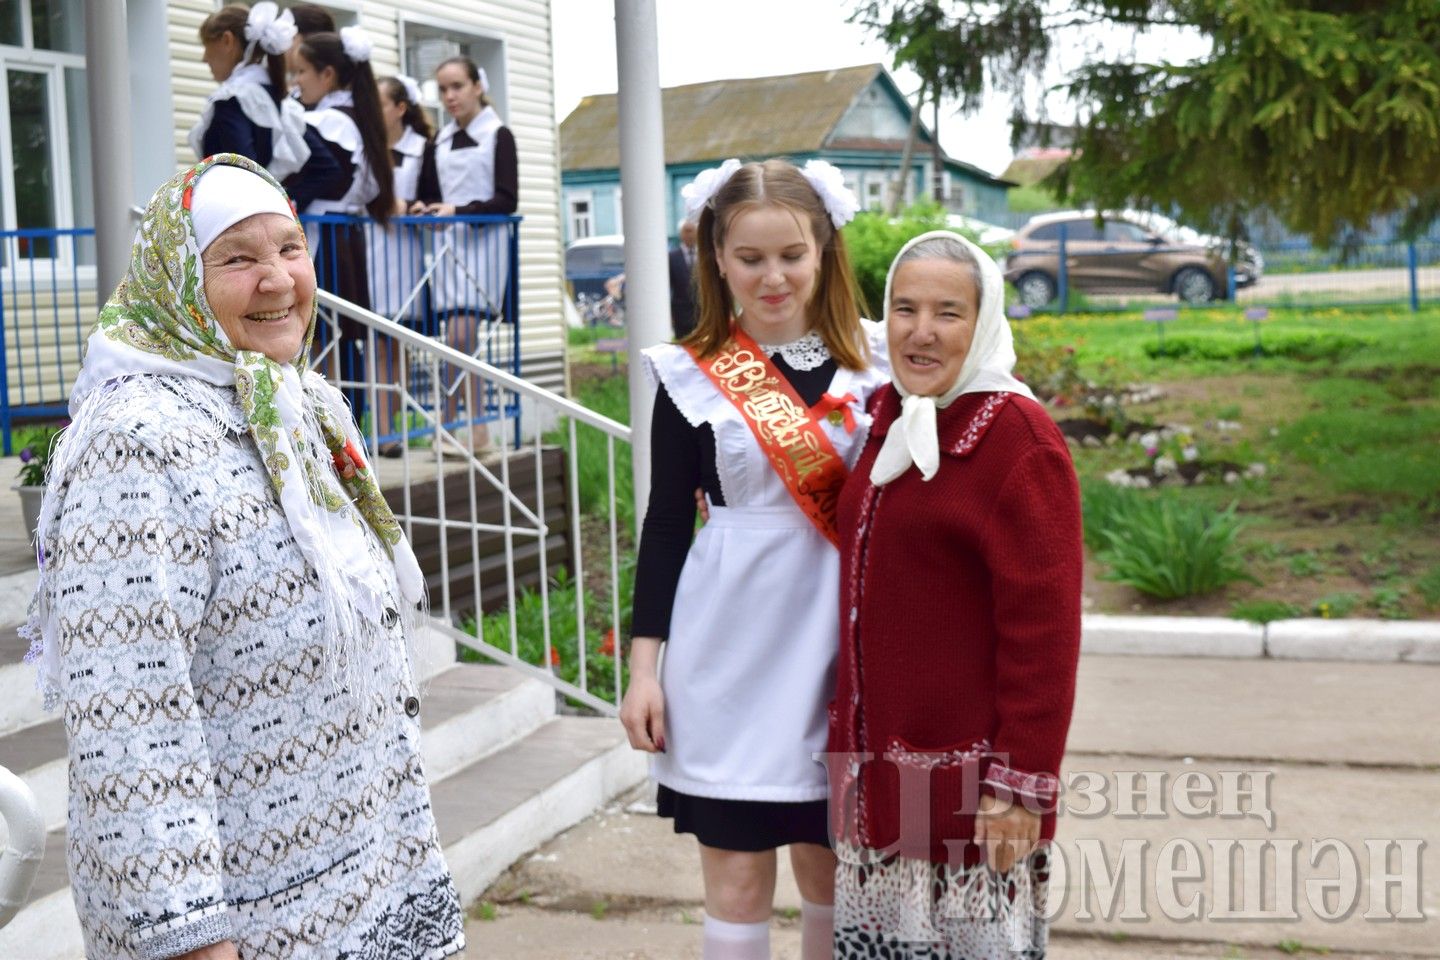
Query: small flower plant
{"type": "Point", "coordinates": [35, 455]}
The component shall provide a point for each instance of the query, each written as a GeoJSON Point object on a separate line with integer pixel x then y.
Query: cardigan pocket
{"type": "Point", "coordinates": [923, 800]}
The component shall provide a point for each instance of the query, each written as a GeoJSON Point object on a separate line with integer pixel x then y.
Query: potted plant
{"type": "Point", "coordinates": [34, 461]}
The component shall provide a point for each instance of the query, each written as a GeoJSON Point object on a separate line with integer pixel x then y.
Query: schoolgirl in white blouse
{"type": "Point", "coordinates": [471, 168]}
{"type": "Point", "coordinates": [332, 73]}
{"type": "Point", "coordinates": [397, 259]}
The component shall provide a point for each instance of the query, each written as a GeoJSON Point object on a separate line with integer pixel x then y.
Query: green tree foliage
{"type": "Point", "coordinates": [1323, 112]}
{"type": "Point", "coordinates": [872, 240]}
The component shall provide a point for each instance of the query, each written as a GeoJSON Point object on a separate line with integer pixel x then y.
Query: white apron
{"type": "Point", "coordinates": [749, 665]}
{"type": "Point", "coordinates": [472, 276]}
{"type": "Point", "coordinates": [396, 252]}
{"type": "Point", "coordinates": [338, 128]}
{"type": "Point", "coordinates": [286, 122]}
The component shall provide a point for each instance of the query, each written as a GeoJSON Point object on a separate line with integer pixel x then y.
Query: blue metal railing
{"type": "Point", "coordinates": [39, 269]}
{"type": "Point", "coordinates": [447, 277]}
{"type": "Point", "coordinates": [1067, 275]}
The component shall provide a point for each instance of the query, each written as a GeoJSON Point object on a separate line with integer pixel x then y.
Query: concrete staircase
{"type": "Point", "coordinates": [506, 773]}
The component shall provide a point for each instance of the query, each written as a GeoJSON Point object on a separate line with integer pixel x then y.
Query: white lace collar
{"type": "Point", "coordinates": [806, 353]}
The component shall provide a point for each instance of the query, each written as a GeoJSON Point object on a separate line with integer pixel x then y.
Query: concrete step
{"type": "Point", "coordinates": [490, 813]}
{"type": "Point", "coordinates": [20, 704]}
{"type": "Point", "coordinates": [468, 712]}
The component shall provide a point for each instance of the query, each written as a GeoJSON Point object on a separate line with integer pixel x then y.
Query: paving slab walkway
{"type": "Point", "coordinates": [1347, 753]}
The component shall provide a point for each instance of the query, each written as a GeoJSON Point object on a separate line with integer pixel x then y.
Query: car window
{"type": "Point", "coordinates": [1118, 231]}
{"type": "Point", "coordinates": [1046, 231]}
{"type": "Point", "coordinates": [582, 260]}
{"type": "Point", "coordinates": [595, 259]}
{"type": "Point", "coordinates": [1081, 230]}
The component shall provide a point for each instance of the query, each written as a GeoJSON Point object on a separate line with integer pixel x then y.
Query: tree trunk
{"type": "Point", "coordinates": [897, 186]}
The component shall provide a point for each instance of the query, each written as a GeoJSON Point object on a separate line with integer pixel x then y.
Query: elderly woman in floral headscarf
{"type": "Point", "coordinates": [960, 632]}
{"type": "Point", "coordinates": [223, 612]}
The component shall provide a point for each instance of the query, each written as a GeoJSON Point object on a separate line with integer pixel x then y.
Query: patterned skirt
{"type": "Point", "coordinates": [896, 908]}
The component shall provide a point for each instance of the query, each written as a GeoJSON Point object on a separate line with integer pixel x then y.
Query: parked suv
{"type": "Point", "coordinates": [1114, 253]}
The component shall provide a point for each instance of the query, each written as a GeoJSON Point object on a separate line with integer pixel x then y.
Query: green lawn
{"type": "Point", "coordinates": [1343, 411]}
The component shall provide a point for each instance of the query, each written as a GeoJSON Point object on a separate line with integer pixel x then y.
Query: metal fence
{"type": "Point", "coordinates": [1101, 274]}
{"type": "Point", "coordinates": [475, 547]}
{"type": "Point", "coordinates": [455, 279]}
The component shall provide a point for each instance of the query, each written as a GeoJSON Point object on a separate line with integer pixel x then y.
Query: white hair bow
{"type": "Point", "coordinates": [412, 89]}
{"type": "Point", "coordinates": [484, 80]}
{"type": "Point", "coordinates": [700, 191]}
{"type": "Point", "coordinates": [356, 43]}
{"type": "Point", "coordinates": [829, 183]}
{"type": "Point", "coordinates": [273, 30]}
{"type": "Point", "coordinates": [824, 178]}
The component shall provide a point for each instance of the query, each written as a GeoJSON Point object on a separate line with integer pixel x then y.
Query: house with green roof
{"type": "Point", "coordinates": [855, 117]}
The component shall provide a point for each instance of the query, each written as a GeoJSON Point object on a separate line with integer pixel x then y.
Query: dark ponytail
{"type": "Point", "coordinates": [232, 18]}
{"type": "Point", "coordinates": [323, 50]}
{"type": "Point", "coordinates": [415, 117]}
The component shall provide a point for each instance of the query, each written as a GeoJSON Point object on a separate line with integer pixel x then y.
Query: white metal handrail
{"type": "Point", "coordinates": [24, 844]}
{"type": "Point", "coordinates": [473, 393]}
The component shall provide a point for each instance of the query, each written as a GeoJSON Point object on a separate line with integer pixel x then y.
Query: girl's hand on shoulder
{"type": "Point", "coordinates": [1006, 832]}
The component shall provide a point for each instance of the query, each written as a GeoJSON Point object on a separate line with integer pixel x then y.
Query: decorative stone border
{"type": "Point", "coordinates": [1374, 641]}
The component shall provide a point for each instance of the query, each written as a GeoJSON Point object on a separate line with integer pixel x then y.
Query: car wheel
{"type": "Point", "coordinates": [1194, 285]}
{"type": "Point", "coordinates": [1035, 289]}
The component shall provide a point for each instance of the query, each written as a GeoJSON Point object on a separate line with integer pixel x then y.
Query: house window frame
{"type": "Point", "coordinates": [52, 64]}
{"type": "Point", "coordinates": [499, 80]}
{"type": "Point", "coordinates": [572, 222]}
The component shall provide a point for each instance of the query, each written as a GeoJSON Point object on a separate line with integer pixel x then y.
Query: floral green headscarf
{"type": "Point", "coordinates": [158, 322]}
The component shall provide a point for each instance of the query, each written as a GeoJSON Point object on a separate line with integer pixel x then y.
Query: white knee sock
{"type": "Point", "coordinates": [736, 941]}
{"type": "Point", "coordinates": [817, 931]}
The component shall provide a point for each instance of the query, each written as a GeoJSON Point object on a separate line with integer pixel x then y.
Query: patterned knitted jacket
{"type": "Point", "coordinates": [960, 623]}
{"type": "Point", "coordinates": [222, 783]}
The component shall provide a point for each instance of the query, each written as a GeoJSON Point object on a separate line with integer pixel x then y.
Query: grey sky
{"type": "Point", "coordinates": [702, 41]}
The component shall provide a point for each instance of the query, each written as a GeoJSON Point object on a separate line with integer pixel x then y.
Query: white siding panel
{"type": "Point", "coordinates": [525, 28]}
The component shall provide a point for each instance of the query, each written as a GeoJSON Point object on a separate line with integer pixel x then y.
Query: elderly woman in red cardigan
{"type": "Point", "coordinates": [960, 613]}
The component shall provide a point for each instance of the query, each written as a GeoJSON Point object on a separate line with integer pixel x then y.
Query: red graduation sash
{"type": "Point", "coordinates": [787, 430]}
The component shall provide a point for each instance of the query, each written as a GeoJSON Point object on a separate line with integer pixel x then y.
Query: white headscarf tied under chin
{"type": "Point", "coordinates": [912, 438]}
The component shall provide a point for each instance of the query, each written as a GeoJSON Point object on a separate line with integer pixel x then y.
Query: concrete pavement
{"type": "Point", "coordinates": [1345, 753]}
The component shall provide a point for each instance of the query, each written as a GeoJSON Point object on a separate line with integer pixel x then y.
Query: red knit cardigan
{"type": "Point", "coordinates": [960, 622]}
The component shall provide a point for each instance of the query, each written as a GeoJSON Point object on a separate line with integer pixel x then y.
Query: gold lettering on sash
{"type": "Point", "coordinates": [798, 449]}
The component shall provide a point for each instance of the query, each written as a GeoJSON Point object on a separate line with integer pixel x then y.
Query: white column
{"type": "Point", "coordinates": [107, 75]}
{"type": "Point", "coordinates": [642, 182]}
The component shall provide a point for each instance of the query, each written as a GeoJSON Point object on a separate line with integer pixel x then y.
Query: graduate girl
{"type": "Point", "coordinates": [249, 114]}
{"type": "Point", "coordinates": [397, 251]}
{"type": "Point", "coordinates": [470, 169]}
{"type": "Point", "coordinates": [762, 406]}
{"type": "Point", "coordinates": [332, 72]}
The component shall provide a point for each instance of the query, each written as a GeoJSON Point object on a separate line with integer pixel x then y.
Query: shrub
{"type": "Point", "coordinates": [1169, 548]}
{"type": "Point", "coordinates": [1305, 346]}
{"type": "Point", "coordinates": [601, 644]}
{"type": "Point", "coordinates": [1335, 605]}
{"type": "Point", "coordinates": [1264, 611]}
{"type": "Point", "coordinates": [873, 239]}
{"type": "Point", "coordinates": [1428, 586]}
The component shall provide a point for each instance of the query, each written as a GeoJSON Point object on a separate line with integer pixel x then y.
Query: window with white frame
{"type": "Point", "coordinates": [581, 214]}
{"type": "Point", "coordinates": [44, 129]}
{"type": "Point", "coordinates": [428, 42]}
{"type": "Point", "coordinates": [875, 191]}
